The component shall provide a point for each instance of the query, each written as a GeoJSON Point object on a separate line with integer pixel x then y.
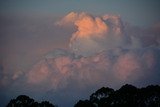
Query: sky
{"type": "Point", "coordinates": [53, 50]}
{"type": "Point", "coordinates": [133, 11]}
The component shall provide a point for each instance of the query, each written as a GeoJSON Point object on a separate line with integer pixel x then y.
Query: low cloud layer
{"type": "Point", "coordinates": [105, 68]}
{"type": "Point", "coordinates": [103, 51]}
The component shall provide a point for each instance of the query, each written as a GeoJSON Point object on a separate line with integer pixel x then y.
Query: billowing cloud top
{"type": "Point", "coordinates": [86, 24]}
{"type": "Point", "coordinates": [94, 34]}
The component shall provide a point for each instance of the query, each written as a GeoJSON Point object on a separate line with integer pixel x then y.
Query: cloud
{"type": "Point", "coordinates": [89, 26]}
{"type": "Point", "coordinates": [103, 51]}
{"type": "Point", "coordinates": [103, 48]}
{"type": "Point", "coordinates": [115, 23]}
{"type": "Point", "coordinates": [37, 76]}
{"type": "Point", "coordinates": [126, 65]}
{"type": "Point", "coordinates": [68, 19]}
{"type": "Point", "coordinates": [118, 67]}
{"type": "Point", "coordinates": [94, 34]}
{"type": "Point", "coordinates": [89, 29]}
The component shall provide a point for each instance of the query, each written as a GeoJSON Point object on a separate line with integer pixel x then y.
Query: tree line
{"type": "Point", "coordinates": [126, 96]}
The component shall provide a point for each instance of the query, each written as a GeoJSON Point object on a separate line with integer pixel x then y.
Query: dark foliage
{"type": "Point", "coordinates": [85, 103]}
{"type": "Point", "coordinates": [126, 96]}
{"type": "Point", "coordinates": [25, 101]}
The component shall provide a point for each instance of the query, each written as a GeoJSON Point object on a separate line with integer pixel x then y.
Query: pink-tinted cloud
{"type": "Point", "coordinates": [105, 68]}
{"type": "Point", "coordinates": [94, 34]}
{"type": "Point", "coordinates": [108, 55]}
{"type": "Point", "coordinates": [127, 65]}
{"type": "Point", "coordinates": [37, 76]}
{"type": "Point", "coordinates": [103, 52]}
{"type": "Point", "coordinates": [89, 26]}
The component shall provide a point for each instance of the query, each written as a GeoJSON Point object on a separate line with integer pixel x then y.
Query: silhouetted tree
{"type": "Point", "coordinates": [85, 103]}
{"type": "Point", "coordinates": [126, 96]}
{"type": "Point", "coordinates": [149, 96]}
{"type": "Point", "coordinates": [21, 101]}
{"type": "Point", "coordinates": [46, 104]}
{"type": "Point", "coordinates": [101, 96]}
{"type": "Point", "coordinates": [25, 101]}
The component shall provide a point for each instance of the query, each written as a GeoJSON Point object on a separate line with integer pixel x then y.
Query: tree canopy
{"type": "Point", "coordinates": [25, 101]}
{"type": "Point", "coordinates": [126, 96]}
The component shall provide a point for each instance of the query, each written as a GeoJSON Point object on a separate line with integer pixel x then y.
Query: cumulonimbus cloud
{"type": "Point", "coordinates": [103, 51]}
